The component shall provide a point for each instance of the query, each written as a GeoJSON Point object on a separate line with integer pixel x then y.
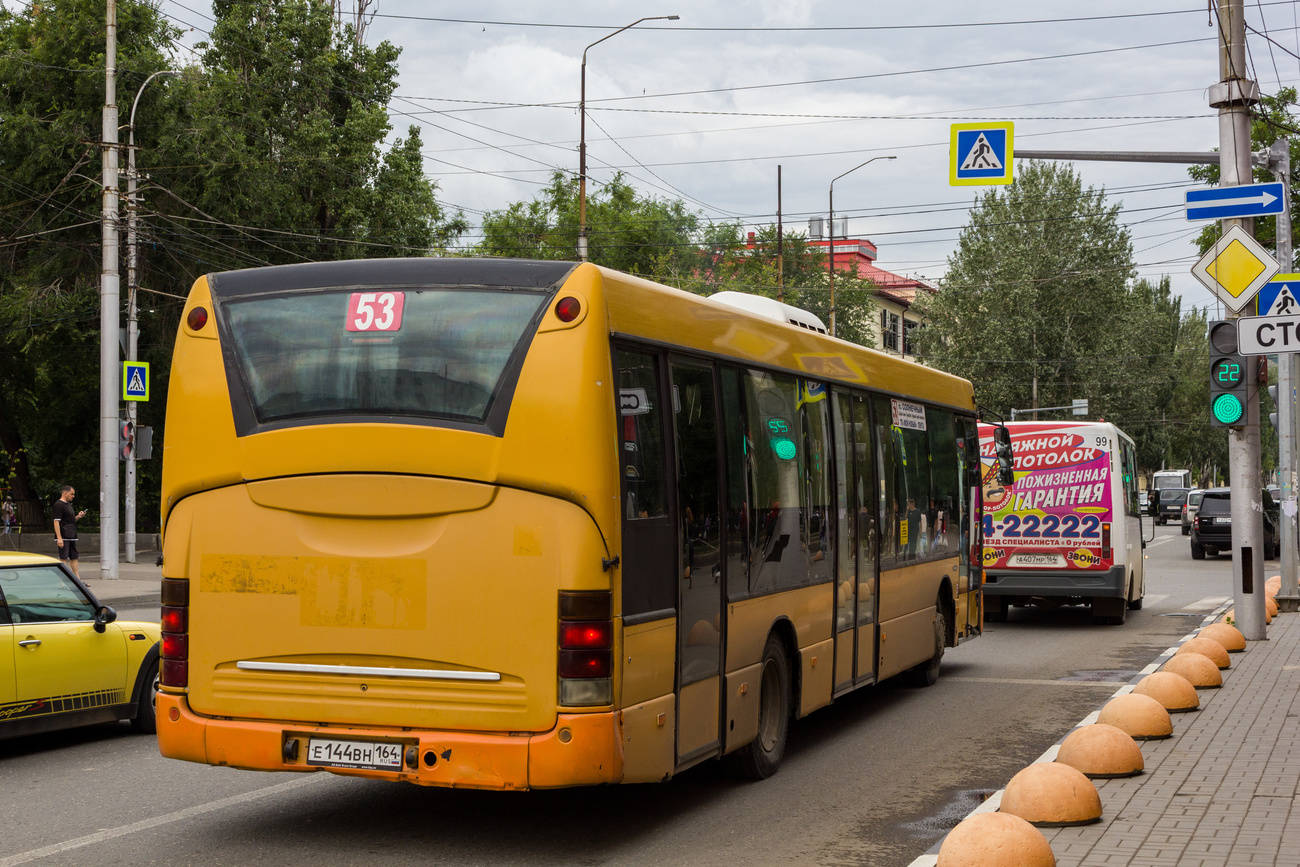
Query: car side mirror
{"type": "Point", "coordinates": [104, 616]}
{"type": "Point", "coordinates": [1005, 455]}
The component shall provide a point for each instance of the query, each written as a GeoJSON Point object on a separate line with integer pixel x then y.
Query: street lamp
{"type": "Point", "coordinates": [582, 134]}
{"type": "Point", "coordinates": [831, 257]}
{"type": "Point", "coordinates": [132, 319]}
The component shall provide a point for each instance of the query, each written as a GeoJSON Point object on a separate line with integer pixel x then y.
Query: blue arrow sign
{"type": "Point", "coordinates": [1222, 203]}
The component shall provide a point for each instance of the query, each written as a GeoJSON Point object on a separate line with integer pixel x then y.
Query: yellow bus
{"type": "Point", "coordinates": [510, 524]}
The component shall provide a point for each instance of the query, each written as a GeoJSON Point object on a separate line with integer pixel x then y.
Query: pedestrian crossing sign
{"type": "Point", "coordinates": [1279, 296]}
{"type": "Point", "coordinates": [980, 153]}
{"type": "Point", "coordinates": [135, 380]}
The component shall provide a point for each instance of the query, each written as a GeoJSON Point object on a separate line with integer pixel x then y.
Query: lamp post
{"type": "Point", "coordinates": [831, 249]}
{"type": "Point", "coordinates": [582, 134]}
{"type": "Point", "coordinates": [132, 320]}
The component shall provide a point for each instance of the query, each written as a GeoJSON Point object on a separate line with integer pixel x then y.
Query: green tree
{"type": "Point", "coordinates": [625, 231]}
{"type": "Point", "coordinates": [51, 103]}
{"type": "Point", "coordinates": [730, 259]}
{"type": "Point", "coordinates": [269, 150]}
{"type": "Point", "coordinates": [1038, 307]}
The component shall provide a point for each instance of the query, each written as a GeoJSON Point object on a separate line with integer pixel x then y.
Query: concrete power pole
{"type": "Point", "coordinates": [109, 299]}
{"type": "Point", "coordinates": [1233, 96]}
{"type": "Point", "coordinates": [1279, 162]}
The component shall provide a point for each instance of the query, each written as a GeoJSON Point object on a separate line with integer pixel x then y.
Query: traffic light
{"type": "Point", "coordinates": [143, 442]}
{"type": "Point", "coordinates": [1227, 376]}
{"type": "Point", "coordinates": [125, 440]}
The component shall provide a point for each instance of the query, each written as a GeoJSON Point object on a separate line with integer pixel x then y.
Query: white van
{"type": "Point", "coordinates": [1068, 530]}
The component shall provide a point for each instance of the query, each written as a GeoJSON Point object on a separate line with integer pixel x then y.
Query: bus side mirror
{"type": "Point", "coordinates": [1006, 458]}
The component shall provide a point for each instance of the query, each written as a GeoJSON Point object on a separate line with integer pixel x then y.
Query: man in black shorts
{"type": "Point", "coordinates": [65, 527]}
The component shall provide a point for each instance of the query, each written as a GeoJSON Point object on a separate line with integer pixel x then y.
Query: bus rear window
{"type": "Point", "coordinates": [441, 353]}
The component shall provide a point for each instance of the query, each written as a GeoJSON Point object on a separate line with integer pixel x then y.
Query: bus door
{"type": "Point", "coordinates": [699, 575]}
{"type": "Point", "coordinates": [856, 600]}
{"type": "Point", "coordinates": [970, 569]}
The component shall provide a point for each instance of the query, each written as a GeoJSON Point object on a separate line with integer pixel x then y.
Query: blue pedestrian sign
{"type": "Point", "coordinates": [1225, 203]}
{"type": "Point", "coordinates": [1279, 296]}
{"type": "Point", "coordinates": [135, 380]}
{"type": "Point", "coordinates": [980, 153]}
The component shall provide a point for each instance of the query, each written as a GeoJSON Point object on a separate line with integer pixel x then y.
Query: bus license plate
{"type": "Point", "coordinates": [1042, 561]}
{"type": "Point", "coordinates": [354, 754]}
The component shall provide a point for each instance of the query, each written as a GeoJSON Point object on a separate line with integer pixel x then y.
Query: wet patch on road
{"type": "Point", "coordinates": [1101, 675]}
{"type": "Point", "coordinates": [937, 824]}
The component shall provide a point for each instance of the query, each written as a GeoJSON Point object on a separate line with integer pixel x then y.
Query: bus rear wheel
{"type": "Point", "coordinates": [760, 758]}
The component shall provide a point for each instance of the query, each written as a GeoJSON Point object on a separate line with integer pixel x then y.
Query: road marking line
{"type": "Point", "coordinates": [1150, 669]}
{"type": "Point", "coordinates": [1050, 755]}
{"type": "Point", "coordinates": [1155, 599]}
{"type": "Point", "coordinates": [1207, 603]}
{"type": "Point", "coordinates": [1090, 719]}
{"type": "Point", "coordinates": [1028, 682]}
{"type": "Point", "coordinates": [146, 824]}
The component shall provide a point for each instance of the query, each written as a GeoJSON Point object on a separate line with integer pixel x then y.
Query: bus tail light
{"type": "Point", "coordinates": [1105, 541]}
{"type": "Point", "coordinates": [586, 649]}
{"type": "Point", "coordinates": [175, 621]}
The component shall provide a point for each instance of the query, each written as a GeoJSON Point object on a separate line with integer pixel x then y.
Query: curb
{"type": "Point", "coordinates": [994, 801]}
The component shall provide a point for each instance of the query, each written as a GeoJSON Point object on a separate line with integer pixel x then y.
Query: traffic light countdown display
{"type": "Point", "coordinates": [1227, 376]}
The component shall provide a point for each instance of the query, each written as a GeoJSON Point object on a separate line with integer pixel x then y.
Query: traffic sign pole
{"type": "Point", "coordinates": [1233, 96]}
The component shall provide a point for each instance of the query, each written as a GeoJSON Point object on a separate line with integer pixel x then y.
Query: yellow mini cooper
{"type": "Point", "coordinates": [64, 661]}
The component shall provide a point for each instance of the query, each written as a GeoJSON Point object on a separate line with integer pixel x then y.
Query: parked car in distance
{"type": "Point", "coordinates": [67, 660]}
{"type": "Point", "coordinates": [1190, 507]}
{"type": "Point", "coordinates": [1212, 528]}
{"type": "Point", "coordinates": [1170, 506]}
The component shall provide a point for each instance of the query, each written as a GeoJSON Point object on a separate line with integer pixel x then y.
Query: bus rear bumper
{"type": "Point", "coordinates": [1059, 582]}
{"type": "Point", "coordinates": [582, 749]}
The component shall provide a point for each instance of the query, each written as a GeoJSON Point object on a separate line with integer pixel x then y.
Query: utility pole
{"type": "Point", "coordinates": [780, 252]}
{"type": "Point", "coordinates": [109, 299]}
{"type": "Point", "coordinates": [1233, 96]}
{"type": "Point", "coordinates": [1288, 599]}
{"type": "Point", "coordinates": [582, 133]}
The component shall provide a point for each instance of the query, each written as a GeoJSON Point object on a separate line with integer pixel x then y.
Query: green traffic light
{"type": "Point", "coordinates": [784, 448]}
{"type": "Point", "coordinates": [1227, 408]}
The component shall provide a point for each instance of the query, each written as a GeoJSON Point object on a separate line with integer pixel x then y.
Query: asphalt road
{"type": "Point", "coordinates": [874, 779]}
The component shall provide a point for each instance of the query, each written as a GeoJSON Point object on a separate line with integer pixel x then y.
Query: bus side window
{"type": "Point", "coordinates": [737, 448]}
{"type": "Point", "coordinates": [888, 507]}
{"type": "Point", "coordinates": [641, 461]}
{"type": "Point", "coordinates": [946, 481]}
{"type": "Point", "coordinates": [778, 528]}
{"type": "Point", "coordinates": [816, 472]}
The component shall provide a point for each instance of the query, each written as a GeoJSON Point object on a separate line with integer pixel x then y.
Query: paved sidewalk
{"type": "Point", "coordinates": [1222, 792]}
{"type": "Point", "coordinates": [137, 583]}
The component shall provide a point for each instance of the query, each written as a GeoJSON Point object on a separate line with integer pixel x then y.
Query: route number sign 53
{"type": "Point", "coordinates": [375, 311]}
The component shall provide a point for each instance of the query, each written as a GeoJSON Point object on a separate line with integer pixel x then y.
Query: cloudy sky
{"type": "Point", "coordinates": [705, 108]}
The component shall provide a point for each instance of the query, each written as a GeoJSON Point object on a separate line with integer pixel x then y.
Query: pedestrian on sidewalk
{"type": "Point", "coordinates": [65, 527]}
{"type": "Point", "coordinates": [7, 513]}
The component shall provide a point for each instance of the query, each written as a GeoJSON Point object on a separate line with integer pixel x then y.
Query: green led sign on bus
{"type": "Point", "coordinates": [778, 429]}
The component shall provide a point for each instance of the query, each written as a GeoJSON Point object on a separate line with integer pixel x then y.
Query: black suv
{"type": "Point", "coordinates": [1170, 505]}
{"type": "Point", "coordinates": [1212, 529]}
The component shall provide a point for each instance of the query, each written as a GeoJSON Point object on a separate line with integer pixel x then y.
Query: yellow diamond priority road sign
{"type": "Point", "coordinates": [1235, 268]}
